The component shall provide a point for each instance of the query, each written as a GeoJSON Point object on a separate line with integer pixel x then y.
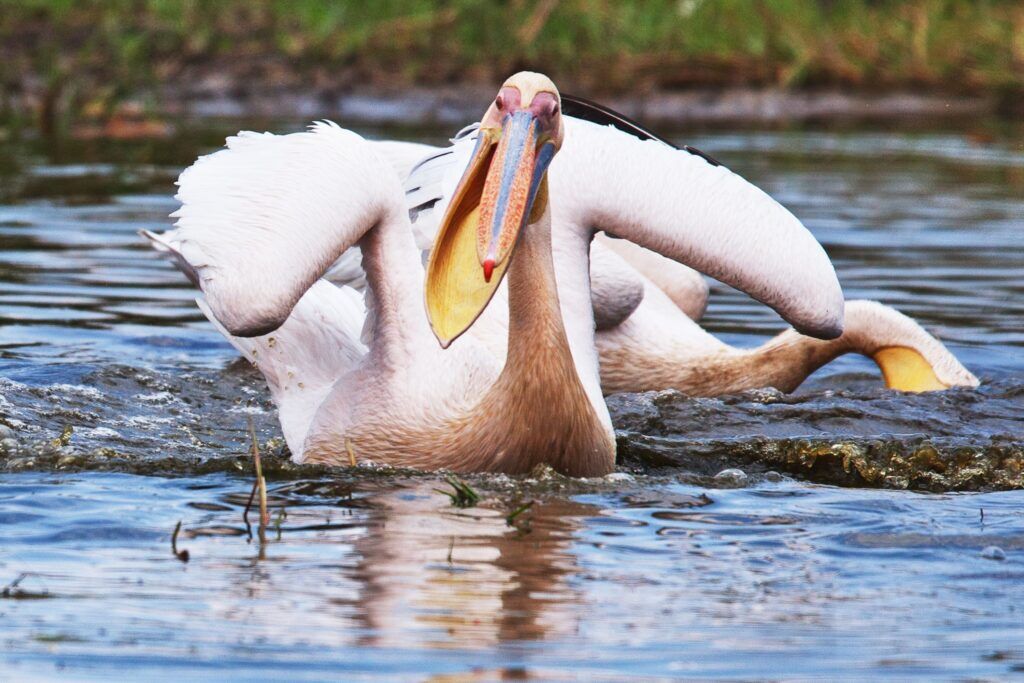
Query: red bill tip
{"type": "Point", "coordinates": [488, 269]}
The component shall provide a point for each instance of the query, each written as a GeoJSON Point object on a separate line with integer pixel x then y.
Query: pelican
{"type": "Point", "coordinates": [659, 347]}
{"type": "Point", "coordinates": [263, 220]}
{"type": "Point", "coordinates": [645, 305]}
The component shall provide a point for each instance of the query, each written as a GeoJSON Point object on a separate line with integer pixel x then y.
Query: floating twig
{"type": "Point", "coordinates": [451, 547]}
{"type": "Point", "coordinates": [463, 495]}
{"type": "Point", "coordinates": [11, 589]}
{"type": "Point", "coordinates": [182, 555]}
{"type": "Point", "coordinates": [12, 592]}
{"type": "Point", "coordinates": [248, 506]}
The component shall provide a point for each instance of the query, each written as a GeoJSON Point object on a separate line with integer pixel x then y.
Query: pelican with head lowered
{"type": "Point", "coordinates": [263, 220]}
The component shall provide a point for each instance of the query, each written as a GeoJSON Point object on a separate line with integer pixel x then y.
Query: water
{"type": "Point", "coordinates": [662, 571]}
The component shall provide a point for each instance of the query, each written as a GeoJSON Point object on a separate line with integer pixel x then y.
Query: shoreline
{"type": "Point", "coordinates": [460, 104]}
{"type": "Point", "coordinates": [669, 63]}
{"type": "Point", "coordinates": [158, 113]}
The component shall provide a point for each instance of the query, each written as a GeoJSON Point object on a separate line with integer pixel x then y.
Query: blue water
{"type": "Point", "coordinates": [777, 579]}
{"type": "Point", "coordinates": [654, 573]}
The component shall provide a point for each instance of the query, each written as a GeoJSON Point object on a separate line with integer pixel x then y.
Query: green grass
{"type": "Point", "coordinates": [83, 53]}
{"type": "Point", "coordinates": [462, 494]}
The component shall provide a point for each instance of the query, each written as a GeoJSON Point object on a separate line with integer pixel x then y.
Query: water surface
{"type": "Point", "coordinates": [661, 571]}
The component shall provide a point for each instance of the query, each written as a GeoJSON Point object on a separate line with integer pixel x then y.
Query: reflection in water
{"type": "Point", "coordinates": [466, 578]}
{"type": "Point", "coordinates": [650, 578]}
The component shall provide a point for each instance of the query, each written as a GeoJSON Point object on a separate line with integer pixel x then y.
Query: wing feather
{"type": "Point", "coordinates": [681, 206]}
{"type": "Point", "coordinates": [263, 219]}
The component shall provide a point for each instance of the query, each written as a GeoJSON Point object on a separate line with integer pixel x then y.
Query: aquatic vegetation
{"type": "Point", "coordinates": [511, 517]}
{"type": "Point", "coordinates": [462, 494]}
{"type": "Point", "coordinates": [893, 462]}
{"type": "Point", "coordinates": [260, 485]}
{"type": "Point", "coordinates": [13, 590]}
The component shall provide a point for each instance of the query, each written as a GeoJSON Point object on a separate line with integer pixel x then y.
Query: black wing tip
{"type": "Point", "coordinates": [703, 155]}
{"type": "Point", "coordinates": [588, 110]}
{"type": "Point", "coordinates": [427, 159]}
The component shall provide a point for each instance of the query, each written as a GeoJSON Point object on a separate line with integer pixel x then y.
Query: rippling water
{"type": "Point", "coordinates": [126, 413]}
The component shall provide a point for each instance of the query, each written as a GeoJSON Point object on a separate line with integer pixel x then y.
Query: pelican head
{"type": "Point", "coordinates": [502, 189]}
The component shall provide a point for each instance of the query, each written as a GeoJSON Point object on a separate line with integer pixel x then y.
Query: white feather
{"type": "Point", "coordinates": [401, 156]}
{"type": "Point", "coordinates": [303, 358]}
{"type": "Point", "coordinates": [707, 217]}
{"type": "Point", "coordinates": [262, 220]}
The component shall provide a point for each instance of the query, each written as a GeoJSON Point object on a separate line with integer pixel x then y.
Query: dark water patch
{"type": "Point", "coordinates": [910, 541]}
{"type": "Point", "coordinates": [209, 507]}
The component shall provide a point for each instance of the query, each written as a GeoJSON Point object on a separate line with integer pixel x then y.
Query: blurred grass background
{"type": "Point", "coordinates": [84, 56]}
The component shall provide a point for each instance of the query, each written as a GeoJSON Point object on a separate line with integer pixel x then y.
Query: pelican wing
{"type": "Point", "coordinates": [682, 206]}
{"type": "Point", "coordinates": [304, 357]}
{"type": "Point", "coordinates": [263, 219]}
{"type": "Point", "coordinates": [687, 288]}
{"type": "Point", "coordinates": [402, 156]}
{"type": "Point", "coordinates": [430, 183]}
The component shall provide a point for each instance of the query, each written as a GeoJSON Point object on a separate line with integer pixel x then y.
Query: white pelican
{"type": "Point", "coordinates": [645, 305]}
{"type": "Point", "coordinates": [263, 220]}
